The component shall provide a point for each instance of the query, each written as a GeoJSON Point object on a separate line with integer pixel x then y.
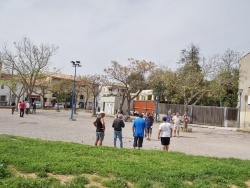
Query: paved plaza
{"type": "Point", "coordinates": [53, 125]}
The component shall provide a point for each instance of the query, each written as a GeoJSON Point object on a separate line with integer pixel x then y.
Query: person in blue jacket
{"type": "Point", "coordinates": [139, 126]}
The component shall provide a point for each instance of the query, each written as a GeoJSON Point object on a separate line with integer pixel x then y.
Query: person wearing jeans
{"type": "Point", "coordinates": [118, 124]}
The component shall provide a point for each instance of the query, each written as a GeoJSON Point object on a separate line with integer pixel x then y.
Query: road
{"type": "Point", "coordinates": [53, 125]}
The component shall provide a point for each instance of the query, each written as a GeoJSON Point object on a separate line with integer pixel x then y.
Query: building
{"type": "Point", "coordinates": [244, 98]}
{"type": "Point", "coordinates": [110, 98]}
{"type": "Point", "coordinates": [40, 91]}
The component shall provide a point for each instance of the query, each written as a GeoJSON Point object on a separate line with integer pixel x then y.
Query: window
{"type": "Point", "coordinates": [149, 97]}
{"type": "Point", "coordinates": [81, 96]}
{"type": "Point", "coordinates": [3, 98]}
{"type": "Point", "coordinates": [2, 86]}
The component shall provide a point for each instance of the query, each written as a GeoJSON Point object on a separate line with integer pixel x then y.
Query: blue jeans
{"type": "Point", "coordinates": [119, 135]}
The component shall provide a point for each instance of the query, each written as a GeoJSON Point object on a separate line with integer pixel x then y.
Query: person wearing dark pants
{"type": "Point", "coordinates": [34, 107]}
{"type": "Point", "coordinates": [118, 124]}
{"type": "Point", "coordinates": [13, 106]}
{"type": "Point", "coordinates": [22, 107]}
{"type": "Point", "coordinates": [27, 106]}
{"type": "Point", "coordinates": [139, 126]}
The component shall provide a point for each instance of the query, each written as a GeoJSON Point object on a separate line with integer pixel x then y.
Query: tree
{"type": "Point", "coordinates": [132, 77]}
{"type": "Point", "coordinates": [60, 90]}
{"type": "Point", "coordinates": [94, 85]}
{"type": "Point", "coordinates": [160, 83]}
{"type": "Point", "coordinates": [81, 84]}
{"type": "Point", "coordinates": [12, 82]}
{"type": "Point", "coordinates": [225, 78]}
{"type": "Point", "coordinates": [29, 61]}
{"type": "Point", "coordinates": [188, 82]}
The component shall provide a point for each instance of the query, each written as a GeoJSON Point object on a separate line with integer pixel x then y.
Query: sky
{"type": "Point", "coordinates": [97, 32]}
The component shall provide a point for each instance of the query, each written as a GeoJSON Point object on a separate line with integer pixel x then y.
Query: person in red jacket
{"type": "Point", "coordinates": [22, 107]}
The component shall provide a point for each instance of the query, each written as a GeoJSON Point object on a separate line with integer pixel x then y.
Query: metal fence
{"type": "Point", "coordinates": [208, 115]}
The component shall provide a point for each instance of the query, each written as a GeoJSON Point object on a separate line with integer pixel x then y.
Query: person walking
{"type": "Point", "coordinates": [34, 107]}
{"type": "Point", "coordinates": [13, 106]}
{"type": "Point", "coordinates": [100, 128]}
{"type": "Point", "coordinates": [165, 133]}
{"type": "Point", "coordinates": [149, 125]}
{"type": "Point", "coordinates": [22, 107]}
{"type": "Point", "coordinates": [118, 124]}
{"type": "Point", "coordinates": [27, 106]}
{"type": "Point", "coordinates": [139, 126]}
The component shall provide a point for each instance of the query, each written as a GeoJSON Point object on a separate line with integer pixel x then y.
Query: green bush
{"type": "Point", "coordinates": [4, 171]}
{"type": "Point", "coordinates": [78, 182]}
{"type": "Point", "coordinates": [30, 183]}
{"type": "Point", "coordinates": [115, 183]}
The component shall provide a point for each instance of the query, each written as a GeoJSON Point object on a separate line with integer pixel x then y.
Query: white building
{"type": "Point", "coordinates": [244, 97]}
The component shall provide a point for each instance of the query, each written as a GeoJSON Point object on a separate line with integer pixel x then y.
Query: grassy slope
{"type": "Point", "coordinates": [144, 168]}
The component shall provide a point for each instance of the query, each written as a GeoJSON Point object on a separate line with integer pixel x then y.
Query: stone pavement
{"type": "Point", "coordinates": [52, 125]}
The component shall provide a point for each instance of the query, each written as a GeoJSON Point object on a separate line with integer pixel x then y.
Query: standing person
{"type": "Point", "coordinates": [118, 124]}
{"type": "Point", "coordinates": [169, 113]}
{"type": "Point", "coordinates": [185, 120]}
{"type": "Point", "coordinates": [13, 106]}
{"type": "Point", "coordinates": [165, 133]}
{"type": "Point", "coordinates": [22, 107]}
{"type": "Point", "coordinates": [117, 113]}
{"type": "Point", "coordinates": [177, 122]}
{"type": "Point", "coordinates": [27, 106]}
{"type": "Point", "coordinates": [34, 107]}
{"type": "Point", "coordinates": [139, 126]}
{"type": "Point", "coordinates": [100, 128]}
{"type": "Point", "coordinates": [149, 125]}
{"type": "Point", "coordinates": [18, 106]}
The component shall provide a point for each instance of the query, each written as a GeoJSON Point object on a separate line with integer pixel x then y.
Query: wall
{"type": "Point", "coordinates": [244, 84]}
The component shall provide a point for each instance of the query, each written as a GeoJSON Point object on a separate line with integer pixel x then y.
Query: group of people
{"type": "Point", "coordinates": [118, 124]}
{"type": "Point", "coordinates": [23, 106]}
{"type": "Point", "coordinates": [141, 128]}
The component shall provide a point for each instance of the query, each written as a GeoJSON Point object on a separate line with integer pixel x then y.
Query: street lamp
{"type": "Point", "coordinates": [74, 64]}
{"type": "Point", "coordinates": [157, 101]}
{"type": "Point", "coordinates": [239, 92]}
{"type": "Point", "coordinates": [95, 89]}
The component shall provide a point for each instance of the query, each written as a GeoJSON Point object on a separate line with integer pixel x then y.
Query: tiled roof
{"type": "Point", "coordinates": [59, 75]}
{"type": "Point", "coordinates": [6, 76]}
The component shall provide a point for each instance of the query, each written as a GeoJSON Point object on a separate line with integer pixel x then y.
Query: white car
{"type": "Point", "coordinates": [59, 105]}
{"type": "Point", "coordinates": [77, 106]}
{"type": "Point", "coordinates": [38, 104]}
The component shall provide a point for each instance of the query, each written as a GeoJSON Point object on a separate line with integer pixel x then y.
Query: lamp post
{"type": "Point", "coordinates": [157, 101]}
{"type": "Point", "coordinates": [239, 92]}
{"type": "Point", "coordinates": [95, 92]}
{"type": "Point", "coordinates": [96, 87]}
{"type": "Point", "coordinates": [74, 64]}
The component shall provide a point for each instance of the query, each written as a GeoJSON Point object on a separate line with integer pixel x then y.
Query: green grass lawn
{"type": "Point", "coordinates": [36, 163]}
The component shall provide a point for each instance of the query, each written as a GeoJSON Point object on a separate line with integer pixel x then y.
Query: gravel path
{"type": "Point", "coordinates": [52, 125]}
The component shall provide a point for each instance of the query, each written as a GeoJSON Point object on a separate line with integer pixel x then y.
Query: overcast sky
{"type": "Point", "coordinates": [96, 32]}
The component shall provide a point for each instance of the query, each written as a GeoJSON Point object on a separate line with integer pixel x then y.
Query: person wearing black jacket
{"type": "Point", "coordinates": [100, 128]}
{"type": "Point", "coordinates": [13, 106]}
{"type": "Point", "coordinates": [118, 124]}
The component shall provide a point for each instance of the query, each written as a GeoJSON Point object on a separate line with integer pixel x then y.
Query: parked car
{"type": "Point", "coordinates": [77, 106]}
{"type": "Point", "coordinates": [38, 104]}
{"type": "Point", "coordinates": [59, 105]}
{"type": "Point", "coordinates": [48, 105]}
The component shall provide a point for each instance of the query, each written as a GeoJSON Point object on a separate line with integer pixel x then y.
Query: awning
{"type": "Point", "coordinates": [35, 96]}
